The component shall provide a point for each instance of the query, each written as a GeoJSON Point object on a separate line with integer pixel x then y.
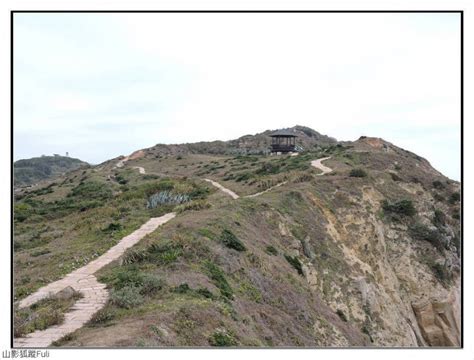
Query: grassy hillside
{"type": "Point", "coordinates": [333, 260]}
{"type": "Point", "coordinates": [34, 170]}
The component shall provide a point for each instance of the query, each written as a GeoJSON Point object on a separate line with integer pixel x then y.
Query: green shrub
{"type": "Point", "coordinates": [192, 206]}
{"type": "Point", "coordinates": [358, 173]}
{"type": "Point", "coordinates": [151, 284]}
{"type": "Point", "coordinates": [205, 292]}
{"type": "Point", "coordinates": [441, 272]}
{"type": "Point", "coordinates": [127, 297]}
{"type": "Point", "coordinates": [113, 227]}
{"type": "Point", "coordinates": [182, 288]}
{"type": "Point", "coordinates": [22, 211]}
{"type": "Point", "coordinates": [128, 277]}
{"type": "Point", "coordinates": [218, 278]}
{"type": "Point", "coordinates": [271, 250]}
{"type": "Point", "coordinates": [401, 207]}
{"type": "Point", "coordinates": [341, 315]}
{"type": "Point", "coordinates": [42, 315]}
{"type": "Point", "coordinates": [422, 232]}
{"type": "Point", "coordinates": [456, 214]}
{"type": "Point", "coordinates": [92, 190]}
{"type": "Point", "coordinates": [268, 168]}
{"type": "Point", "coordinates": [231, 241]}
{"type": "Point", "coordinates": [295, 263]}
{"type": "Point", "coordinates": [243, 177]}
{"type": "Point", "coordinates": [454, 198]}
{"type": "Point", "coordinates": [102, 316]}
{"type": "Point", "coordinates": [222, 338]}
{"type": "Point", "coordinates": [439, 218]}
{"type": "Point", "coordinates": [199, 192]}
{"type": "Point", "coordinates": [438, 185]}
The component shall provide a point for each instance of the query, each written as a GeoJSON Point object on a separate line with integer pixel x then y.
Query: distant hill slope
{"type": "Point", "coordinates": [368, 254]}
{"type": "Point", "coordinates": [31, 171]}
{"type": "Point", "coordinates": [259, 143]}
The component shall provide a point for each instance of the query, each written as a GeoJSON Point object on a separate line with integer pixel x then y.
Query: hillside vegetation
{"type": "Point", "coordinates": [34, 170]}
{"type": "Point", "coordinates": [366, 255]}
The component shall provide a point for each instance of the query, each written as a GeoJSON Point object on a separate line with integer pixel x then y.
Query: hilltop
{"type": "Point", "coordinates": [346, 244]}
{"type": "Point", "coordinates": [34, 170]}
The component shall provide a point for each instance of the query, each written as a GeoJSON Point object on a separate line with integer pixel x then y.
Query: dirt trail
{"type": "Point", "coordinates": [223, 189]}
{"type": "Point", "coordinates": [317, 164]}
{"type": "Point", "coordinates": [264, 191]}
{"type": "Point", "coordinates": [95, 293]}
{"type": "Point", "coordinates": [84, 281]}
{"type": "Point", "coordinates": [141, 170]}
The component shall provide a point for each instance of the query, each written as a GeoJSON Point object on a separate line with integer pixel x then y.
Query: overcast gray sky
{"type": "Point", "coordinates": [102, 85]}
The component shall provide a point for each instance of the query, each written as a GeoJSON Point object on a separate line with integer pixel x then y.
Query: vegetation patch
{"type": "Point", "coordinates": [403, 207]}
{"type": "Point", "coordinates": [271, 250]}
{"type": "Point", "coordinates": [294, 261]}
{"type": "Point", "coordinates": [231, 241]}
{"type": "Point", "coordinates": [358, 173]}
{"type": "Point", "coordinates": [454, 198]}
{"type": "Point", "coordinates": [127, 297]}
{"type": "Point", "coordinates": [43, 314]}
{"type": "Point", "coordinates": [218, 278]}
{"type": "Point", "coordinates": [222, 338]}
{"type": "Point", "coordinates": [422, 232]}
{"type": "Point", "coordinates": [166, 197]}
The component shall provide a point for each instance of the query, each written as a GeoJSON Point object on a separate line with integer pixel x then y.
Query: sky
{"type": "Point", "coordinates": [103, 85]}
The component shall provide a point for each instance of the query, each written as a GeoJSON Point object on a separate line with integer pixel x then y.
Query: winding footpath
{"type": "Point", "coordinates": [95, 293]}
{"type": "Point", "coordinates": [317, 164]}
{"type": "Point", "coordinates": [223, 189]}
{"type": "Point", "coordinates": [84, 281]}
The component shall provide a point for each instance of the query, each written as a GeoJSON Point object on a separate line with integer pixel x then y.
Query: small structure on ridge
{"type": "Point", "coordinates": [283, 141]}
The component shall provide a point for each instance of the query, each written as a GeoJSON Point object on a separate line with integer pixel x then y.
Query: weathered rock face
{"type": "Point", "coordinates": [440, 320]}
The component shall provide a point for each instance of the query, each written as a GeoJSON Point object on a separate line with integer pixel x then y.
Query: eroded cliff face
{"type": "Point", "coordinates": [387, 285]}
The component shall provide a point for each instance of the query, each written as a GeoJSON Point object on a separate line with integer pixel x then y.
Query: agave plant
{"type": "Point", "coordinates": [166, 197]}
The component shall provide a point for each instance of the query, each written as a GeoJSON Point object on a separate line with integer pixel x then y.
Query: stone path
{"type": "Point", "coordinates": [95, 293]}
{"type": "Point", "coordinates": [84, 281]}
{"type": "Point", "coordinates": [317, 164]}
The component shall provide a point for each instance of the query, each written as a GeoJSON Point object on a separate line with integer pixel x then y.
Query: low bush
{"type": "Point", "coordinates": [127, 297]}
{"type": "Point", "coordinates": [92, 190]}
{"type": "Point", "coordinates": [358, 173]}
{"type": "Point", "coordinates": [271, 250]}
{"type": "Point", "coordinates": [456, 214]}
{"type": "Point", "coordinates": [341, 315]}
{"type": "Point", "coordinates": [438, 185]}
{"type": "Point", "coordinates": [192, 206]}
{"type": "Point", "coordinates": [295, 263]}
{"type": "Point", "coordinates": [43, 314]}
{"type": "Point", "coordinates": [454, 198]}
{"type": "Point", "coordinates": [182, 288]}
{"type": "Point", "coordinates": [231, 241]}
{"type": "Point", "coordinates": [151, 284]}
{"type": "Point", "coordinates": [112, 227]}
{"type": "Point", "coordinates": [422, 232]}
{"type": "Point", "coordinates": [218, 278]}
{"type": "Point", "coordinates": [222, 338]}
{"type": "Point", "coordinates": [439, 218]}
{"type": "Point", "coordinates": [402, 207]}
{"type": "Point", "coordinates": [441, 272]}
{"type": "Point", "coordinates": [102, 316]}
